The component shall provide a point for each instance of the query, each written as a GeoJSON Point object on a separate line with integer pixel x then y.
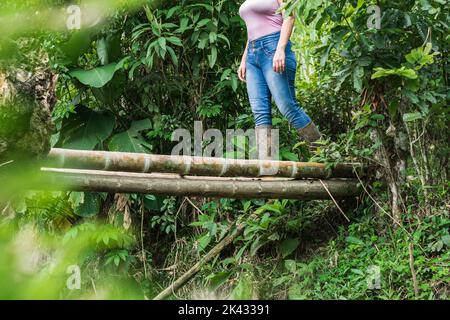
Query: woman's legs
{"type": "Point", "coordinates": [259, 94]}
{"type": "Point", "coordinates": [261, 103]}
{"type": "Point", "coordinates": [282, 87]}
{"type": "Point", "coordinates": [263, 83]}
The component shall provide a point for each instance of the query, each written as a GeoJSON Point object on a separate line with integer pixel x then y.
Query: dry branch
{"type": "Point", "coordinates": [413, 271]}
{"type": "Point", "coordinates": [196, 267]}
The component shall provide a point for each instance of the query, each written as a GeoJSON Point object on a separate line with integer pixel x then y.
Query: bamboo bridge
{"type": "Point", "coordinates": [119, 172]}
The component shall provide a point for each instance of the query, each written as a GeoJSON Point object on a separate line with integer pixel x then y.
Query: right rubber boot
{"type": "Point", "coordinates": [264, 142]}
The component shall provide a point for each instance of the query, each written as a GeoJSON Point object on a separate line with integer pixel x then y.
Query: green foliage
{"type": "Point", "coordinates": [127, 83]}
{"type": "Point", "coordinates": [342, 269]}
{"type": "Point", "coordinates": [166, 222]}
{"type": "Point", "coordinates": [244, 289]}
{"type": "Point", "coordinates": [97, 77]}
{"type": "Point", "coordinates": [288, 246]}
{"type": "Point", "coordinates": [41, 262]}
{"type": "Point", "coordinates": [403, 72]}
{"type": "Point", "coordinates": [131, 140]}
{"type": "Point", "coordinates": [85, 129]}
{"type": "Point", "coordinates": [85, 204]}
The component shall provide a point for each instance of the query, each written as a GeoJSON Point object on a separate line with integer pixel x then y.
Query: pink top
{"type": "Point", "coordinates": [261, 17]}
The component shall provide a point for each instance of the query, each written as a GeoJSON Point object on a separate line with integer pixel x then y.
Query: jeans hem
{"type": "Point", "coordinates": [309, 123]}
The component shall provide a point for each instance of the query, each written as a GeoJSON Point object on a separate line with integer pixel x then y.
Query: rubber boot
{"type": "Point", "coordinates": [264, 142]}
{"type": "Point", "coordinates": [310, 134]}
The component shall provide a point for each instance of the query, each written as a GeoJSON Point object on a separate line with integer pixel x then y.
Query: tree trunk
{"type": "Point", "coordinates": [26, 102]}
{"type": "Point", "coordinates": [388, 172]}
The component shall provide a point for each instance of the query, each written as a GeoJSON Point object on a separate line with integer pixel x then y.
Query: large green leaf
{"type": "Point", "coordinates": [109, 94]}
{"type": "Point", "coordinates": [78, 44]}
{"type": "Point", "coordinates": [85, 129]}
{"type": "Point", "coordinates": [402, 72]}
{"type": "Point", "coordinates": [126, 142]}
{"type": "Point", "coordinates": [409, 117]}
{"type": "Point", "coordinates": [140, 125]}
{"type": "Point", "coordinates": [96, 77]}
{"type": "Point", "coordinates": [131, 140]}
{"type": "Point", "coordinates": [85, 204]}
{"type": "Point", "coordinates": [108, 49]}
{"type": "Point", "coordinates": [288, 246]}
{"type": "Point", "coordinates": [212, 58]}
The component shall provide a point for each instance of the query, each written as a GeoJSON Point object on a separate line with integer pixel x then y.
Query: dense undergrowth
{"type": "Point", "coordinates": [380, 96]}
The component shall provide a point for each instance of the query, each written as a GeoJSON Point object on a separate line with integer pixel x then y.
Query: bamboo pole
{"type": "Point", "coordinates": [196, 166]}
{"type": "Point", "coordinates": [172, 184]}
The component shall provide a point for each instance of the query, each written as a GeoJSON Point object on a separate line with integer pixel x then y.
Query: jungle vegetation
{"type": "Point", "coordinates": [378, 89]}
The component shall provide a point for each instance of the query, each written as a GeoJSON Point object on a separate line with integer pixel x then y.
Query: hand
{"type": "Point", "coordinates": [279, 61]}
{"type": "Point", "coordinates": [242, 71]}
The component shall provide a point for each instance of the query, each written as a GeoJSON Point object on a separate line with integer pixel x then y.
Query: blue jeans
{"type": "Point", "coordinates": [263, 83]}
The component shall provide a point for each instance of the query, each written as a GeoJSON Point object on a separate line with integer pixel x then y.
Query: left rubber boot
{"type": "Point", "coordinates": [310, 134]}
